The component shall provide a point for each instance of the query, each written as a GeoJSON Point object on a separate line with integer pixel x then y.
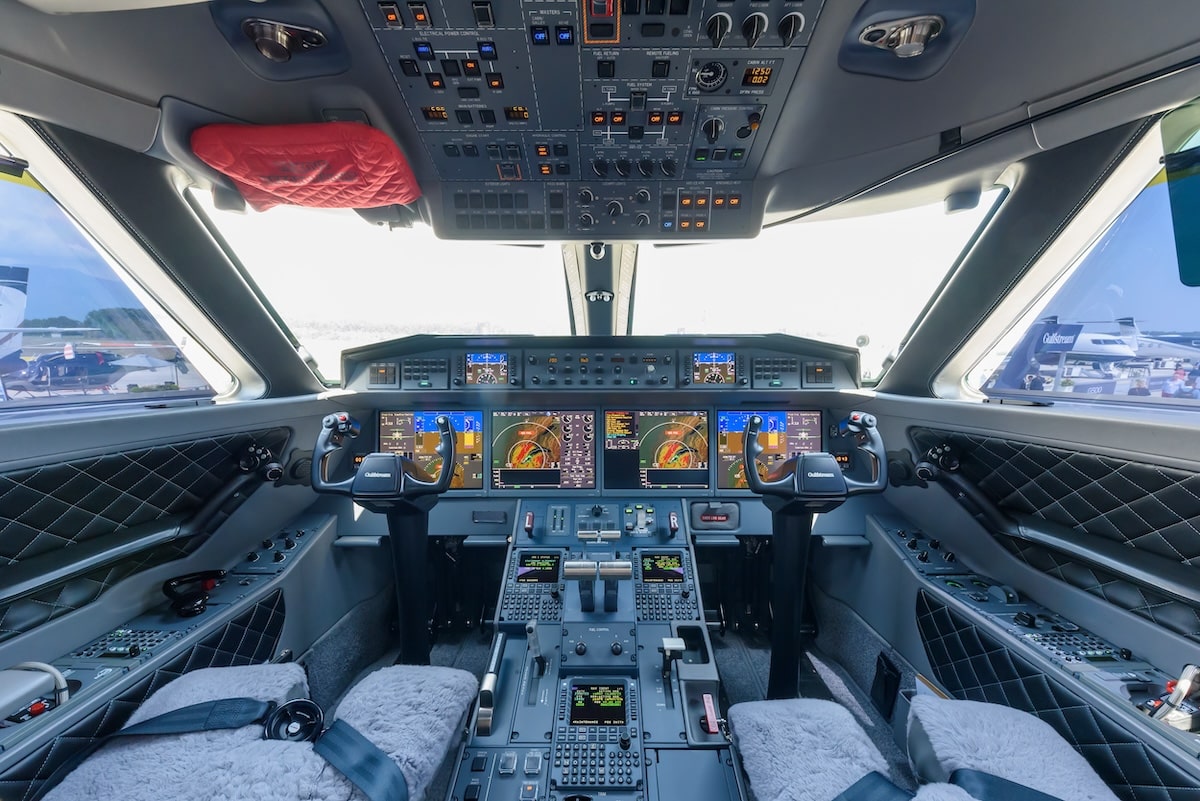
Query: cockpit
{"type": "Point", "coordinates": [599, 400]}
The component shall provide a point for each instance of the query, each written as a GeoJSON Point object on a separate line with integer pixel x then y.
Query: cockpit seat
{"type": "Point", "coordinates": [414, 714]}
{"type": "Point", "coordinates": [806, 749]}
{"type": "Point", "coordinates": [945, 736]}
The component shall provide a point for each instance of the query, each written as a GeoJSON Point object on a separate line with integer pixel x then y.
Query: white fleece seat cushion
{"type": "Point", "coordinates": [802, 749]}
{"type": "Point", "coordinates": [999, 740]}
{"type": "Point", "coordinates": [412, 713]}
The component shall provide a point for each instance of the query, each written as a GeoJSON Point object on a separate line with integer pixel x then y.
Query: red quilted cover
{"type": "Point", "coordinates": [324, 164]}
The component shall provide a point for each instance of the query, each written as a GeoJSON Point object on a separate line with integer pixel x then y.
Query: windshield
{"type": "Point", "coordinates": [325, 283]}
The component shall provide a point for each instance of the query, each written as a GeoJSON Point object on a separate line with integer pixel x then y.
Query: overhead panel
{"type": "Point", "coordinates": [594, 119]}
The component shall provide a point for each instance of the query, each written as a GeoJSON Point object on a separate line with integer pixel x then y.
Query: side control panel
{"type": "Point", "coordinates": [272, 553]}
{"type": "Point", "coordinates": [926, 553]}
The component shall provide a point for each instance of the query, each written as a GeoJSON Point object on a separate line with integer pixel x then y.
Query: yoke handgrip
{"type": "Point", "coordinates": [334, 430]}
{"type": "Point", "coordinates": [413, 484]}
{"type": "Point", "coordinates": [751, 448]}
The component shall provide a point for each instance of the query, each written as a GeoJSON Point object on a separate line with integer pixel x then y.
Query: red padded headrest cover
{"type": "Point", "coordinates": [343, 165]}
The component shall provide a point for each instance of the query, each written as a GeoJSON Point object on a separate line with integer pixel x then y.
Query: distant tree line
{"type": "Point", "coordinates": [117, 323]}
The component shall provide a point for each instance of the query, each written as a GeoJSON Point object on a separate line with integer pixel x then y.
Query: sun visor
{"type": "Point", "coordinates": [344, 165]}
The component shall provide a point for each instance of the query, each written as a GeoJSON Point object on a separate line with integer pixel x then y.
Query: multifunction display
{"type": "Point", "coordinates": [543, 450]}
{"type": "Point", "coordinates": [487, 368]}
{"type": "Point", "coordinates": [538, 568]}
{"type": "Point", "coordinates": [598, 704]}
{"type": "Point", "coordinates": [784, 434]}
{"type": "Point", "coordinates": [714, 367]}
{"type": "Point", "coordinates": [414, 435]}
{"type": "Point", "coordinates": [655, 450]}
{"type": "Point", "coordinates": [663, 568]}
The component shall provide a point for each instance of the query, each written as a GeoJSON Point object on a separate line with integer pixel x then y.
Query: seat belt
{"type": "Point", "coordinates": [362, 762]}
{"type": "Point", "coordinates": [986, 787]}
{"type": "Point", "coordinates": [874, 787]}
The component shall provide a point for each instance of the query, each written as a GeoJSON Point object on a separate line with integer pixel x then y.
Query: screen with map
{"type": "Point", "coordinates": [784, 434]}
{"type": "Point", "coordinates": [415, 436]}
{"type": "Point", "coordinates": [543, 450]}
{"type": "Point", "coordinates": [656, 450]}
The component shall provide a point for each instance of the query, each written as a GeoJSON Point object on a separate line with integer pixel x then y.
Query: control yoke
{"type": "Point", "coordinates": [815, 479]}
{"type": "Point", "coordinates": [383, 479]}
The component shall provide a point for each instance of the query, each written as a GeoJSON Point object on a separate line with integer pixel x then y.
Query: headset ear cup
{"type": "Point", "coordinates": [189, 604]}
{"type": "Point", "coordinates": [297, 720]}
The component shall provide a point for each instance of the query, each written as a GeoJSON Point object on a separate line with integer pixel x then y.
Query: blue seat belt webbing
{"type": "Point", "coordinates": [986, 787]}
{"type": "Point", "coordinates": [874, 787]}
{"type": "Point", "coordinates": [227, 713]}
{"type": "Point", "coordinates": [362, 762]}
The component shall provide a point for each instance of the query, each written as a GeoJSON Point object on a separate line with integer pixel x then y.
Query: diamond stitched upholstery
{"type": "Point", "coordinates": [1139, 505]}
{"type": "Point", "coordinates": [971, 664]}
{"type": "Point", "coordinates": [53, 506]}
{"type": "Point", "coordinates": [250, 638]}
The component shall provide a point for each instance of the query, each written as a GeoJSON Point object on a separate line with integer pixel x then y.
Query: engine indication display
{"type": "Point", "coordinates": [598, 704]}
{"type": "Point", "coordinates": [543, 450]}
{"type": "Point", "coordinates": [656, 450]}
{"type": "Point", "coordinates": [714, 367]}
{"type": "Point", "coordinates": [415, 436]}
{"type": "Point", "coordinates": [487, 368]}
{"type": "Point", "coordinates": [784, 434]}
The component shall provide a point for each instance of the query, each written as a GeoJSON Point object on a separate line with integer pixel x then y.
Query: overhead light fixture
{"type": "Point", "coordinates": [906, 37]}
{"type": "Point", "coordinates": [279, 41]}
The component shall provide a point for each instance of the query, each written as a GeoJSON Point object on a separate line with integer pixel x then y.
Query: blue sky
{"type": "Point", "coordinates": [66, 276]}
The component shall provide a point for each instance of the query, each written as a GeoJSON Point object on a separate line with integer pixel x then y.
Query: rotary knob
{"type": "Point", "coordinates": [668, 167]}
{"type": "Point", "coordinates": [642, 196]}
{"type": "Point", "coordinates": [712, 128]}
{"type": "Point", "coordinates": [586, 195]}
{"type": "Point", "coordinates": [646, 167]}
{"type": "Point", "coordinates": [642, 219]}
{"type": "Point", "coordinates": [586, 220]}
{"type": "Point", "coordinates": [581, 648]}
{"type": "Point", "coordinates": [616, 649]}
{"type": "Point", "coordinates": [600, 167]}
{"type": "Point", "coordinates": [753, 27]}
{"type": "Point", "coordinates": [790, 27]}
{"type": "Point", "coordinates": [615, 208]}
{"type": "Point", "coordinates": [624, 167]}
{"type": "Point", "coordinates": [718, 27]}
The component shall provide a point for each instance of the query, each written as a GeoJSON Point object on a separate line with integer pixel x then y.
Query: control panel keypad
{"type": "Point", "coordinates": [659, 606]}
{"type": "Point", "coordinates": [530, 606]}
{"type": "Point", "coordinates": [591, 756]}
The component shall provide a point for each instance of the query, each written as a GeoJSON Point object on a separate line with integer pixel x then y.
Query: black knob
{"type": "Point", "coordinates": [949, 557]}
{"type": "Point", "coordinates": [554, 592]}
{"type": "Point", "coordinates": [923, 556]}
{"type": "Point", "coordinates": [535, 380]}
{"type": "Point", "coordinates": [718, 27]}
{"type": "Point", "coordinates": [668, 167]}
{"type": "Point", "coordinates": [935, 544]}
{"type": "Point", "coordinates": [135, 650]}
{"type": "Point", "coordinates": [597, 510]}
{"type": "Point", "coordinates": [753, 27]}
{"type": "Point", "coordinates": [913, 544]}
{"type": "Point", "coordinates": [625, 742]}
{"type": "Point", "coordinates": [581, 648]}
{"type": "Point", "coordinates": [624, 167]}
{"type": "Point", "coordinates": [289, 544]}
{"type": "Point", "coordinates": [586, 220]}
{"type": "Point", "coordinates": [600, 167]}
{"type": "Point", "coordinates": [789, 27]}
{"type": "Point", "coordinates": [646, 167]}
{"type": "Point", "coordinates": [1025, 619]}
{"type": "Point", "coordinates": [252, 556]}
{"type": "Point", "coordinates": [643, 195]}
{"type": "Point", "coordinates": [685, 593]}
{"type": "Point", "coordinates": [615, 208]}
{"type": "Point", "coordinates": [617, 369]}
{"type": "Point", "coordinates": [616, 649]}
{"type": "Point", "coordinates": [268, 544]}
{"type": "Point", "coordinates": [712, 128]}
{"type": "Point", "coordinates": [585, 196]}
{"type": "Point", "coordinates": [279, 557]}
{"type": "Point", "coordinates": [641, 221]}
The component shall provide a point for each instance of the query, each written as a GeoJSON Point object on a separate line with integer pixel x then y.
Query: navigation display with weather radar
{"type": "Point", "coordinates": [415, 436]}
{"type": "Point", "coordinates": [656, 450]}
{"type": "Point", "coordinates": [714, 367]}
{"type": "Point", "coordinates": [543, 450]}
{"type": "Point", "coordinates": [487, 368]}
{"type": "Point", "coordinates": [784, 434]}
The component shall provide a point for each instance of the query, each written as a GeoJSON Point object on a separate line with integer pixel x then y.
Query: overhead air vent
{"type": "Point", "coordinates": [906, 37]}
{"type": "Point", "coordinates": [278, 41]}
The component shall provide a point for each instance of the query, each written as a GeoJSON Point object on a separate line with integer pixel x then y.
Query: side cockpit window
{"type": "Point", "coordinates": [74, 329]}
{"type": "Point", "coordinates": [1123, 323]}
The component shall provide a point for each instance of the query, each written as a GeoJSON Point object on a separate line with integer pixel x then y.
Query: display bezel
{"type": "Point", "coordinates": [557, 556]}
{"type": "Point", "coordinates": [509, 413]}
{"type": "Point", "coordinates": [481, 432]}
{"type": "Point", "coordinates": [607, 476]}
{"type": "Point", "coordinates": [718, 467]}
{"type": "Point", "coordinates": [659, 580]}
{"type": "Point", "coordinates": [593, 685]}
